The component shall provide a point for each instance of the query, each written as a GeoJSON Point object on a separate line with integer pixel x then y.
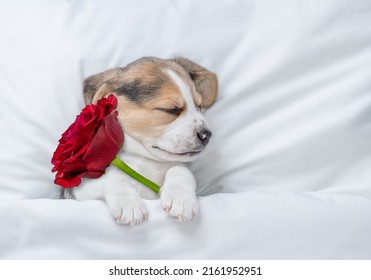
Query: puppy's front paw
{"type": "Point", "coordinates": [127, 209]}
{"type": "Point", "coordinates": [180, 204]}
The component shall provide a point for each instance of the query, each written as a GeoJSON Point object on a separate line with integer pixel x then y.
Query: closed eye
{"type": "Point", "coordinates": [173, 111]}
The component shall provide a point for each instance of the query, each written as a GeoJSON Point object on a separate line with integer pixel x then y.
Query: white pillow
{"type": "Point", "coordinates": [293, 111]}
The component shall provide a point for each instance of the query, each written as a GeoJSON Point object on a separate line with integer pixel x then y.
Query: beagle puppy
{"type": "Point", "coordinates": [160, 103]}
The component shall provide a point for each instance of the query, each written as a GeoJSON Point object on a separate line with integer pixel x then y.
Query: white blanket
{"type": "Point", "coordinates": [251, 225]}
{"type": "Point", "coordinates": [287, 174]}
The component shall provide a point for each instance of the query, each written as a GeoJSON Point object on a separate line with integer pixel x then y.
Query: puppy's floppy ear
{"type": "Point", "coordinates": [205, 81]}
{"type": "Point", "coordinates": [97, 86]}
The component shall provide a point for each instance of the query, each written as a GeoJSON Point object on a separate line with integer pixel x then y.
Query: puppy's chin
{"type": "Point", "coordinates": [165, 155]}
{"type": "Point", "coordinates": [149, 150]}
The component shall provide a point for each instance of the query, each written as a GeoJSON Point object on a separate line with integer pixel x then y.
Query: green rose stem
{"type": "Point", "coordinates": [132, 173]}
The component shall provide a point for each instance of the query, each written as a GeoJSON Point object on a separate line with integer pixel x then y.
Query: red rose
{"type": "Point", "coordinates": [89, 145]}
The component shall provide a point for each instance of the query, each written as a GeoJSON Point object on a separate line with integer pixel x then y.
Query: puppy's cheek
{"type": "Point", "coordinates": [142, 128]}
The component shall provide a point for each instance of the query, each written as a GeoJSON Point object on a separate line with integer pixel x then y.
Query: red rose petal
{"type": "Point", "coordinates": [109, 136]}
{"type": "Point", "coordinates": [68, 182]}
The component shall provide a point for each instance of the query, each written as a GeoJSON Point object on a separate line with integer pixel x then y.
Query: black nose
{"type": "Point", "coordinates": [204, 135]}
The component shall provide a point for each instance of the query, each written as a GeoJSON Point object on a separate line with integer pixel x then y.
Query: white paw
{"type": "Point", "coordinates": [180, 204]}
{"type": "Point", "coordinates": [127, 209]}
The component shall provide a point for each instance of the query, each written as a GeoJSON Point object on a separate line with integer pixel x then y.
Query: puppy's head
{"type": "Point", "coordinates": [160, 103]}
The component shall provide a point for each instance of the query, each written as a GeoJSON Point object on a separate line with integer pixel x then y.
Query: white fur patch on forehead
{"type": "Point", "coordinates": [184, 89]}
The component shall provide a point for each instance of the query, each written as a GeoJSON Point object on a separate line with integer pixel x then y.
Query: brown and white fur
{"type": "Point", "coordinates": [160, 104]}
